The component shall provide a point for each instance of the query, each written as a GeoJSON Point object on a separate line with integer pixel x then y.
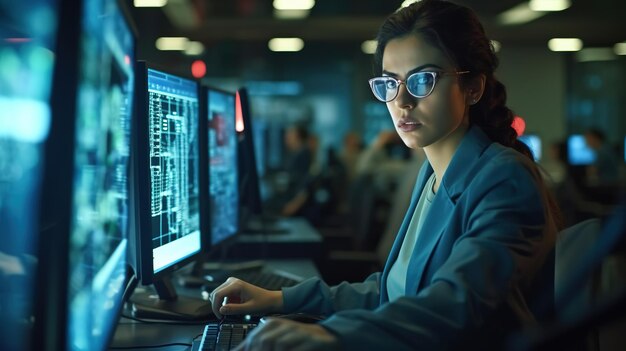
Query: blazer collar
{"type": "Point", "coordinates": [472, 146]}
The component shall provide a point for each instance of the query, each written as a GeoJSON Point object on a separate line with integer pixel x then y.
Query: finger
{"type": "Point", "coordinates": [229, 289]}
{"type": "Point", "coordinates": [248, 307]}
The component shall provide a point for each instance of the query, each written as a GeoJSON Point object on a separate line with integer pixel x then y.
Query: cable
{"type": "Point", "coordinates": [130, 286]}
{"type": "Point", "coordinates": [149, 346]}
{"type": "Point", "coordinates": [165, 322]}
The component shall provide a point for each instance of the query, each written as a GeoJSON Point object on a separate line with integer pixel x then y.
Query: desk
{"type": "Point", "coordinates": [299, 240]}
{"type": "Point", "coordinates": [131, 333]}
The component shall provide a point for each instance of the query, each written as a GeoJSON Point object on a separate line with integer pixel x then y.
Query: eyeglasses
{"type": "Point", "coordinates": [419, 84]}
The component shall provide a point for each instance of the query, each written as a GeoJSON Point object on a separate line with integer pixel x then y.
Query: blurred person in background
{"type": "Point", "coordinates": [605, 169]}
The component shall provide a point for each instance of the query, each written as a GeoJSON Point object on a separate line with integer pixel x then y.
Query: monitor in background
{"type": "Point", "coordinates": [248, 171]}
{"type": "Point", "coordinates": [534, 144]}
{"type": "Point", "coordinates": [578, 152]}
{"type": "Point", "coordinates": [27, 43]}
{"type": "Point", "coordinates": [83, 260]}
{"type": "Point", "coordinates": [253, 219]}
{"type": "Point", "coordinates": [166, 177]}
{"type": "Point", "coordinates": [222, 166]}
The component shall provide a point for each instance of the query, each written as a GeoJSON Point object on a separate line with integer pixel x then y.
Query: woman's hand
{"type": "Point", "coordinates": [286, 335]}
{"type": "Point", "coordinates": [244, 298]}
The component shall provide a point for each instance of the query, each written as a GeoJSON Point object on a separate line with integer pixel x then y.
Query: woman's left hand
{"type": "Point", "coordinates": [278, 334]}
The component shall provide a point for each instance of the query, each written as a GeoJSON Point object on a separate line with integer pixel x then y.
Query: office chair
{"type": "Point", "coordinates": [356, 264]}
{"type": "Point", "coordinates": [589, 290]}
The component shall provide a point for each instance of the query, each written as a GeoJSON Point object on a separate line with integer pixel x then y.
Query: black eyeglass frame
{"type": "Point", "coordinates": [434, 74]}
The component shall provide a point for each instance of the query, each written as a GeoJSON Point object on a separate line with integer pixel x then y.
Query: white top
{"type": "Point", "coordinates": [396, 281]}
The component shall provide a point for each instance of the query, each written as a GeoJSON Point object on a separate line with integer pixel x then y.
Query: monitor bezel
{"type": "Point", "coordinates": [248, 160]}
{"type": "Point", "coordinates": [142, 235]}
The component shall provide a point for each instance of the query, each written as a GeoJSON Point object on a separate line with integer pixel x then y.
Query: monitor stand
{"type": "Point", "coordinates": [167, 304]}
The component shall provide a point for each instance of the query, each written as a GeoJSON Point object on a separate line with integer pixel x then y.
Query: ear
{"type": "Point", "coordinates": [475, 89]}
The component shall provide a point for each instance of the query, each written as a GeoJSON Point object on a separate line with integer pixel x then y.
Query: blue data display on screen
{"type": "Point", "coordinates": [174, 149]}
{"type": "Point", "coordinates": [223, 186]}
{"type": "Point", "coordinates": [100, 204]}
{"type": "Point", "coordinates": [534, 144]}
{"type": "Point", "coordinates": [26, 61]}
{"type": "Point", "coordinates": [578, 152]}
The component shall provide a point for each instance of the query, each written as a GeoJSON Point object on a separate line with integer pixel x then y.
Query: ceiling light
{"type": "Point", "coordinates": [496, 45]}
{"type": "Point", "coordinates": [286, 44]}
{"type": "Point", "coordinates": [369, 46]}
{"type": "Point", "coordinates": [549, 5]}
{"type": "Point", "coordinates": [620, 48]}
{"type": "Point", "coordinates": [171, 43]}
{"type": "Point", "coordinates": [149, 3]}
{"type": "Point", "coordinates": [595, 54]}
{"type": "Point", "coordinates": [565, 44]}
{"type": "Point", "coordinates": [518, 15]}
{"type": "Point", "coordinates": [194, 48]}
{"type": "Point", "coordinates": [406, 3]}
{"type": "Point", "coordinates": [291, 14]}
{"type": "Point", "coordinates": [294, 4]}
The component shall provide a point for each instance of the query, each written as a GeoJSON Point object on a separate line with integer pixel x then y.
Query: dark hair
{"type": "Point", "coordinates": [456, 31]}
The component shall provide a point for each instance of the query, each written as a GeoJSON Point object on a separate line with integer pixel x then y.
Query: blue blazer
{"type": "Point", "coordinates": [486, 236]}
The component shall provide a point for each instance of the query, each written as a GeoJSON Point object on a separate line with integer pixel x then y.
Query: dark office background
{"type": "Point", "coordinates": [325, 83]}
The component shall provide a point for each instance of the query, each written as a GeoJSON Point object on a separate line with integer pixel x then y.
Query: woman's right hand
{"type": "Point", "coordinates": [244, 298]}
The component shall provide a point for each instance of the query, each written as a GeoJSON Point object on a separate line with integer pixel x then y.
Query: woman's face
{"type": "Point", "coordinates": [430, 120]}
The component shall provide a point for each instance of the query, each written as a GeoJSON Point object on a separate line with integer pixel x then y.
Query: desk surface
{"type": "Point", "coordinates": [131, 333]}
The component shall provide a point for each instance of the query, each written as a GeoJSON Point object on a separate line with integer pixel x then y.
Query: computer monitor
{"type": "Point", "coordinates": [578, 152]}
{"type": "Point", "coordinates": [222, 165]}
{"type": "Point", "coordinates": [251, 204]}
{"type": "Point", "coordinates": [26, 46]}
{"type": "Point", "coordinates": [166, 180]}
{"type": "Point", "coordinates": [83, 266]}
{"type": "Point", "coordinates": [533, 142]}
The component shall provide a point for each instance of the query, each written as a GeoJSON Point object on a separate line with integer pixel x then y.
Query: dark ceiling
{"type": "Point", "coordinates": [237, 27]}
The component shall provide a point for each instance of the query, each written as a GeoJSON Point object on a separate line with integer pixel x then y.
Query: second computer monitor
{"type": "Point", "coordinates": [223, 170]}
{"type": "Point", "coordinates": [166, 171]}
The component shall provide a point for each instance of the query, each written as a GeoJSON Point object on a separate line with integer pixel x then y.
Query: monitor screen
{"type": "Point", "coordinates": [578, 152]}
{"type": "Point", "coordinates": [26, 68]}
{"type": "Point", "coordinates": [173, 150]}
{"type": "Point", "coordinates": [100, 202]}
{"type": "Point", "coordinates": [534, 143]}
{"type": "Point", "coordinates": [223, 169]}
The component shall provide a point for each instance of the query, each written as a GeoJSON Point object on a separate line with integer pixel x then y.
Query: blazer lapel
{"type": "Point", "coordinates": [452, 186]}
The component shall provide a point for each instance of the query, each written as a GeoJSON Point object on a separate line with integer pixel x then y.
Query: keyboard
{"type": "Point", "coordinates": [226, 336]}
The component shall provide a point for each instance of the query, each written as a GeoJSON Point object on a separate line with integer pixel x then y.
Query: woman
{"type": "Point", "coordinates": [479, 226]}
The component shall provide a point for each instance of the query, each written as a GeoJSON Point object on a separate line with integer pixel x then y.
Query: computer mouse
{"type": "Point", "coordinates": [297, 317]}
